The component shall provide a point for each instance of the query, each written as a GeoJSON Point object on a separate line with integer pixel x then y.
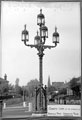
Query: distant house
{"type": "Point", "coordinates": [69, 97]}
{"type": "Point", "coordinates": [4, 89]}
{"type": "Point", "coordinates": [4, 80]}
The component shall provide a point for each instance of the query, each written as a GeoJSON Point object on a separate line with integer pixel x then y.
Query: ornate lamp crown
{"type": "Point", "coordinates": [37, 39]}
{"type": "Point", "coordinates": [40, 18]}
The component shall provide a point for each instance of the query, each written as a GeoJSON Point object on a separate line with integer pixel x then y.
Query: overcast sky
{"type": "Point", "coordinates": [18, 61]}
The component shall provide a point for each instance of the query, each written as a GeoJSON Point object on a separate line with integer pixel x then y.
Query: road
{"type": "Point", "coordinates": [22, 113]}
{"type": "Point", "coordinates": [16, 111]}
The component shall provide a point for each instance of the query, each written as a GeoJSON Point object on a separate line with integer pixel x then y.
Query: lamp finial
{"type": "Point", "coordinates": [55, 29]}
{"type": "Point", "coordinates": [40, 10]}
{"type": "Point", "coordinates": [37, 32]}
{"type": "Point", "coordinates": [25, 26]}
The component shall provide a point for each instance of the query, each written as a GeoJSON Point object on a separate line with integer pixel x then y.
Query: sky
{"type": "Point", "coordinates": [61, 63]}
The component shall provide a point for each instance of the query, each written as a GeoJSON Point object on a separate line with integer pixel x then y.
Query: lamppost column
{"type": "Point", "coordinates": [40, 34]}
{"type": "Point", "coordinates": [36, 99]}
{"type": "Point", "coordinates": [41, 79]}
{"type": "Point", "coordinates": [40, 69]}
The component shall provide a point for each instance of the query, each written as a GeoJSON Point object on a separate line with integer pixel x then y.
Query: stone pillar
{"type": "Point", "coordinates": [29, 107]}
{"type": "Point", "coordinates": [24, 104]}
{"type": "Point", "coordinates": [4, 105]}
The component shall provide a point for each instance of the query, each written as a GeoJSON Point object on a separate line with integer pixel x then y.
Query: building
{"type": "Point", "coordinates": [5, 93]}
{"type": "Point", "coordinates": [4, 80]}
{"type": "Point", "coordinates": [69, 97]}
{"type": "Point", "coordinates": [3, 85]}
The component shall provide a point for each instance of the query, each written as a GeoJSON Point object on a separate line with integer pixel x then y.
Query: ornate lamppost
{"type": "Point", "coordinates": [39, 44]}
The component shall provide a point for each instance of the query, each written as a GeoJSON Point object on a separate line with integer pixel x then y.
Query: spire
{"type": "Point", "coordinates": [49, 84]}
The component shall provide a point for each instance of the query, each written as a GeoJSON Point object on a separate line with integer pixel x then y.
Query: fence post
{"type": "Point", "coordinates": [1, 106]}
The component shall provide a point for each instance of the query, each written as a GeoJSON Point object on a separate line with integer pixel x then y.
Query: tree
{"type": "Point", "coordinates": [4, 88]}
{"type": "Point", "coordinates": [75, 86]}
{"type": "Point", "coordinates": [18, 89]}
{"type": "Point", "coordinates": [17, 82]}
{"type": "Point", "coordinates": [31, 87]}
{"type": "Point", "coordinates": [51, 89]}
{"type": "Point", "coordinates": [5, 91]}
{"type": "Point", "coordinates": [63, 91]}
{"type": "Point", "coordinates": [11, 87]}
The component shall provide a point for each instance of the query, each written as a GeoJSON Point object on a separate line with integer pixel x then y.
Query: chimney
{"type": "Point", "coordinates": [5, 77]}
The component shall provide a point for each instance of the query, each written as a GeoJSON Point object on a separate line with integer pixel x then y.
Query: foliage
{"type": "Point", "coordinates": [18, 89]}
{"type": "Point", "coordinates": [75, 86]}
{"type": "Point", "coordinates": [51, 89]}
{"type": "Point", "coordinates": [31, 87]}
{"type": "Point", "coordinates": [63, 91]}
{"type": "Point", "coordinates": [17, 82]}
{"type": "Point", "coordinates": [4, 88]}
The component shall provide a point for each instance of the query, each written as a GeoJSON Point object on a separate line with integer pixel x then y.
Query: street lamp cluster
{"type": "Point", "coordinates": [40, 39]}
{"type": "Point", "coordinates": [39, 44]}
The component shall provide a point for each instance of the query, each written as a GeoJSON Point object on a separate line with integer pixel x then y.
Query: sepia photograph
{"type": "Point", "coordinates": [40, 60]}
